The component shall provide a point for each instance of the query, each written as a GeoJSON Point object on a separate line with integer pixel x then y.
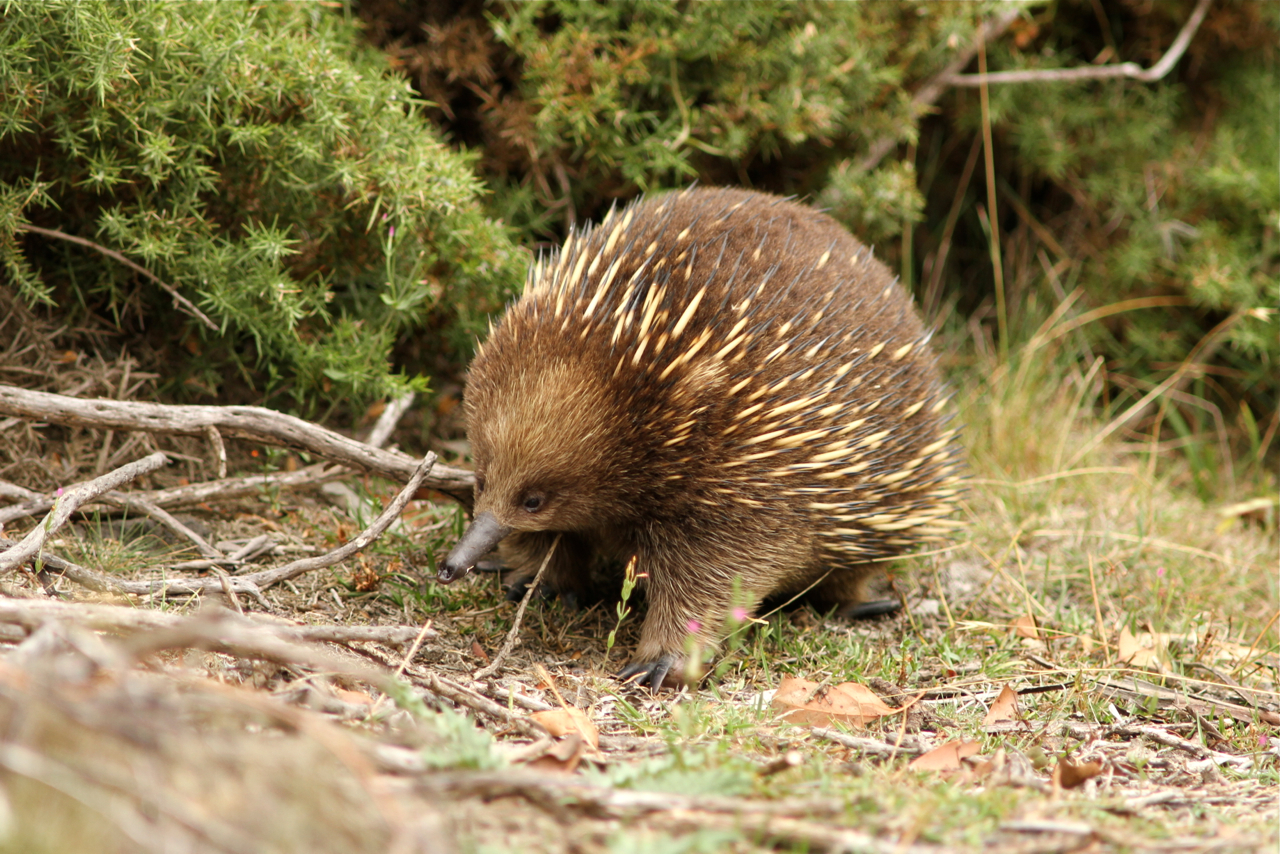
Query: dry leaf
{"type": "Point", "coordinates": [563, 755]}
{"type": "Point", "coordinates": [946, 757]}
{"type": "Point", "coordinates": [994, 765]}
{"type": "Point", "coordinates": [560, 722]}
{"type": "Point", "coordinates": [1025, 627]}
{"type": "Point", "coordinates": [1068, 776]}
{"type": "Point", "coordinates": [1138, 650]}
{"type": "Point", "coordinates": [1005, 708]}
{"type": "Point", "coordinates": [801, 702]}
{"type": "Point", "coordinates": [355, 698]}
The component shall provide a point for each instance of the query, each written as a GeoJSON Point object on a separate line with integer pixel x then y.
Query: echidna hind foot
{"type": "Point", "coordinates": [725, 387]}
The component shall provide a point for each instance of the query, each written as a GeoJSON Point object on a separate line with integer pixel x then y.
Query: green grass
{"type": "Point", "coordinates": [1085, 526]}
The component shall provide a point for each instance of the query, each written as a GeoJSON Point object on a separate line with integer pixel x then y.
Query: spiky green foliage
{"type": "Point", "coordinates": [615, 98]}
{"type": "Point", "coordinates": [257, 159]}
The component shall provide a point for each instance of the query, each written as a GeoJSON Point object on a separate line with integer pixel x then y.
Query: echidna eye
{"type": "Point", "coordinates": [479, 484]}
{"type": "Point", "coordinates": [533, 502]}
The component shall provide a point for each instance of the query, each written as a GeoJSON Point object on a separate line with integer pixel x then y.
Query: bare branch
{"type": "Point", "coordinates": [872, 746]}
{"type": "Point", "coordinates": [162, 516]}
{"type": "Point", "coordinates": [929, 93]}
{"type": "Point", "coordinates": [456, 693]}
{"type": "Point", "coordinates": [388, 420]}
{"type": "Point", "coordinates": [1097, 72]}
{"type": "Point", "coordinates": [268, 577]}
{"type": "Point", "coordinates": [178, 299]}
{"type": "Point", "coordinates": [219, 449]}
{"type": "Point", "coordinates": [253, 423]}
{"type": "Point", "coordinates": [31, 614]}
{"type": "Point", "coordinates": [70, 500]}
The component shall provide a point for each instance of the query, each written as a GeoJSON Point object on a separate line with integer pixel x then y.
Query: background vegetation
{"type": "Point", "coordinates": [1159, 202]}
{"type": "Point", "coordinates": [344, 231]}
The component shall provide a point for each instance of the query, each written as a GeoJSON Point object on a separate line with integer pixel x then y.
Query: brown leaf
{"type": "Point", "coordinates": [355, 698]}
{"type": "Point", "coordinates": [478, 651]}
{"type": "Point", "coordinates": [946, 757]}
{"type": "Point", "coordinates": [562, 755]}
{"type": "Point", "coordinates": [1005, 708]}
{"type": "Point", "coordinates": [560, 722]}
{"type": "Point", "coordinates": [1025, 627]}
{"type": "Point", "coordinates": [1137, 650]}
{"type": "Point", "coordinates": [801, 702]}
{"type": "Point", "coordinates": [1068, 776]}
{"type": "Point", "coordinates": [1128, 644]}
{"type": "Point", "coordinates": [994, 765]}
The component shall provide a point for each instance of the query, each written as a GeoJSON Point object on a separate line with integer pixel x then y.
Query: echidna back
{"type": "Point", "coordinates": [725, 356]}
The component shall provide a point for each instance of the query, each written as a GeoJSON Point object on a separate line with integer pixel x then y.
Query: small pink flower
{"type": "Point", "coordinates": [58, 492]}
{"type": "Point", "coordinates": [391, 232]}
{"type": "Point", "coordinates": [1160, 572]}
{"type": "Point", "coordinates": [694, 627]}
{"type": "Point", "coordinates": [740, 614]}
{"type": "Point", "coordinates": [1262, 742]}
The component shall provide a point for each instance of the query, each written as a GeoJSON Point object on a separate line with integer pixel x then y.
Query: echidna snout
{"type": "Point", "coordinates": [481, 537]}
{"type": "Point", "coordinates": [725, 387]}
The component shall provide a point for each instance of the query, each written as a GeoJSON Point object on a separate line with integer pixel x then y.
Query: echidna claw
{"type": "Point", "coordinates": [651, 673]}
{"type": "Point", "coordinates": [875, 608]}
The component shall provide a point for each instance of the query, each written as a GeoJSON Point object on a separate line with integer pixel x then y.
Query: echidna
{"type": "Point", "coordinates": [722, 384]}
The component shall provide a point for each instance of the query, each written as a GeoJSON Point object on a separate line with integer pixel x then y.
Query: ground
{"type": "Point", "coordinates": [1135, 621]}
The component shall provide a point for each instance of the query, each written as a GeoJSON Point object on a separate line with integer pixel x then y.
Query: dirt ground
{"type": "Point", "coordinates": [221, 721]}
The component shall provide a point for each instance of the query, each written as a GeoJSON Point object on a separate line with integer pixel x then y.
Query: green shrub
{"type": "Point", "coordinates": [259, 160]}
{"type": "Point", "coordinates": [1170, 199]}
{"type": "Point", "coordinates": [582, 104]}
{"type": "Point", "coordinates": [575, 105]}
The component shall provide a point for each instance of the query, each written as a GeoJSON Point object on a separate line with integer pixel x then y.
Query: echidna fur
{"type": "Point", "coordinates": [724, 385]}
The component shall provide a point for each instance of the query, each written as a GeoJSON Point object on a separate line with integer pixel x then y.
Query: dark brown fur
{"type": "Point", "coordinates": [789, 459]}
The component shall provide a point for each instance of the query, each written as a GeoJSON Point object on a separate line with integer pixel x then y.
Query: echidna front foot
{"type": "Point", "coordinates": [570, 598]}
{"type": "Point", "coordinates": [869, 610]}
{"type": "Point", "coordinates": [653, 673]}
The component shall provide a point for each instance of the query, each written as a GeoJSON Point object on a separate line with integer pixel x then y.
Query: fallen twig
{"type": "Point", "coordinates": [219, 449]}
{"type": "Point", "coordinates": [513, 635]}
{"type": "Point", "coordinates": [388, 420]}
{"type": "Point", "coordinates": [70, 500]}
{"type": "Point", "coordinates": [873, 746]}
{"type": "Point", "coordinates": [163, 516]}
{"type": "Point", "coordinates": [772, 820]}
{"type": "Point", "coordinates": [34, 503]}
{"type": "Point", "coordinates": [218, 635]}
{"type": "Point", "coordinates": [253, 423]}
{"type": "Point", "coordinates": [268, 577]}
{"type": "Point", "coordinates": [452, 691]}
{"type": "Point", "coordinates": [31, 614]}
{"type": "Point", "coordinates": [255, 582]}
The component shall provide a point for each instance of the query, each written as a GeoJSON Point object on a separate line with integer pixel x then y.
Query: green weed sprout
{"type": "Point", "coordinates": [629, 582]}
